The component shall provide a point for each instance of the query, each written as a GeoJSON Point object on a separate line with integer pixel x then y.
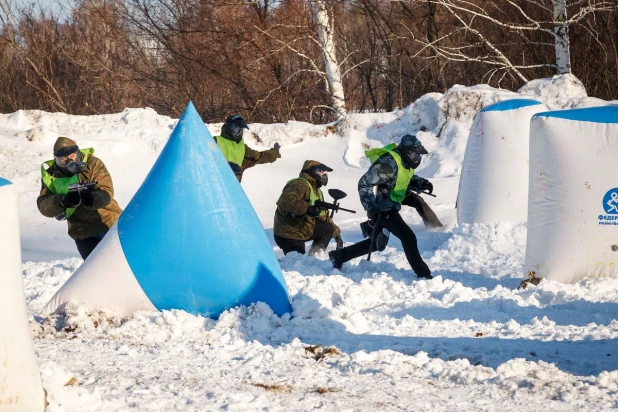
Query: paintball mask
{"type": "Point", "coordinates": [411, 159]}
{"type": "Point", "coordinates": [320, 174]}
{"type": "Point", "coordinates": [233, 128]}
{"type": "Point", "coordinates": [66, 155]}
{"type": "Point", "coordinates": [411, 151]}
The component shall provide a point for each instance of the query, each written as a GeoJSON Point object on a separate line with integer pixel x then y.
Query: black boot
{"type": "Point", "coordinates": [336, 258]}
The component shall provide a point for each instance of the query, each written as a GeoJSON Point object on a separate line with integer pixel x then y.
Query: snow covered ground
{"type": "Point", "coordinates": [369, 337]}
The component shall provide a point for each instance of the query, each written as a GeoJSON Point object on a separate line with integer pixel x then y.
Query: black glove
{"type": "Point", "coordinates": [235, 168]}
{"type": "Point", "coordinates": [86, 197]}
{"type": "Point", "coordinates": [276, 147]}
{"type": "Point", "coordinates": [314, 211]}
{"type": "Point", "coordinates": [427, 186]}
{"type": "Point", "coordinates": [71, 199]}
{"type": "Point", "coordinates": [339, 242]}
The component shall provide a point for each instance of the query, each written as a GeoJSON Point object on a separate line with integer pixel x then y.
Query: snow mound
{"type": "Point", "coordinates": [64, 393]}
{"type": "Point", "coordinates": [558, 87]}
{"type": "Point", "coordinates": [423, 113]}
{"type": "Point", "coordinates": [485, 248]}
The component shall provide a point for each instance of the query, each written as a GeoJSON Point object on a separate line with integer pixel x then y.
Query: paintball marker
{"type": "Point", "coordinates": [417, 190]}
{"type": "Point", "coordinates": [374, 234]}
{"type": "Point", "coordinates": [77, 168]}
{"type": "Point", "coordinates": [337, 195]}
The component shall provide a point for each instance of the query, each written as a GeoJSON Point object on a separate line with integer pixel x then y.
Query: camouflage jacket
{"type": "Point", "coordinates": [383, 175]}
{"type": "Point", "coordinates": [291, 219]}
{"type": "Point", "coordinates": [253, 157]}
{"type": "Point", "coordinates": [86, 221]}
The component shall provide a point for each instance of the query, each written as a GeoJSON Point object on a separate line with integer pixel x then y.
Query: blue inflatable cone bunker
{"type": "Point", "coordinates": [189, 239]}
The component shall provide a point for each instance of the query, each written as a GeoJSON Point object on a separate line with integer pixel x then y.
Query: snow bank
{"type": "Point", "coordinates": [558, 87]}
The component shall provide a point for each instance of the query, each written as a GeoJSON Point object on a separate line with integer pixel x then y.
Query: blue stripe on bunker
{"type": "Point", "coordinates": [4, 182]}
{"type": "Point", "coordinates": [191, 236]}
{"type": "Point", "coordinates": [510, 105]}
{"type": "Point", "coordinates": [601, 114]}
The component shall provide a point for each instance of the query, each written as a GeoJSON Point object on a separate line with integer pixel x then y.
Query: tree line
{"type": "Point", "coordinates": [305, 60]}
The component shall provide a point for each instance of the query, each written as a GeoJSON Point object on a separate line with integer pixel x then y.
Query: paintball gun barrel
{"type": "Point", "coordinates": [337, 195]}
{"type": "Point", "coordinates": [331, 206]}
{"type": "Point", "coordinates": [417, 190]}
{"type": "Point", "coordinates": [76, 187]}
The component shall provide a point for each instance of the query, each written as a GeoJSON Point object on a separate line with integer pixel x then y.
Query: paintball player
{"type": "Point", "coordinates": [238, 155]}
{"type": "Point", "coordinates": [89, 212]}
{"type": "Point", "coordinates": [298, 219]}
{"type": "Point", "coordinates": [391, 173]}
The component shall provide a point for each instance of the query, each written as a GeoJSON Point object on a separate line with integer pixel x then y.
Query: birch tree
{"type": "Point", "coordinates": [563, 51]}
{"type": "Point", "coordinates": [537, 23]}
{"type": "Point", "coordinates": [326, 36]}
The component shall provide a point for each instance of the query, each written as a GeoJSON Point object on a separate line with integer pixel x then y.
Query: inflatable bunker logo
{"type": "Point", "coordinates": [610, 204]}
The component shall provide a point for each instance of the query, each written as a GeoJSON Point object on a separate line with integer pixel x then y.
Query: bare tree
{"type": "Point", "coordinates": [326, 35]}
{"type": "Point", "coordinates": [532, 23]}
{"type": "Point", "coordinates": [279, 60]}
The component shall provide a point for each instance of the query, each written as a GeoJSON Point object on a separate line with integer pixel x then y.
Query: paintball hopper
{"type": "Point", "coordinates": [337, 194]}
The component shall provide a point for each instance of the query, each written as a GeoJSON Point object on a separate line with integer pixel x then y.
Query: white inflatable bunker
{"type": "Point", "coordinates": [494, 177]}
{"type": "Point", "coordinates": [573, 199]}
{"type": "Point", "coordinates": [20, 382]}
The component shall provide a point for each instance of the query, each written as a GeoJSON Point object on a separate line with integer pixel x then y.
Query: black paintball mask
{"type": "Point", "coordinates": [319, 173]}
{"type": "Point", "coordinates": [411, 151]}
{"type": "Point", "coordinates": [66, 156]}
{"type": "Point", "coordinates": [233, 128]}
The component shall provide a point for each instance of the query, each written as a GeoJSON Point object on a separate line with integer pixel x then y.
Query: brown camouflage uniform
{"type": "Point", "coordinates": [291, 219]}
{"type": "Point", "coordinates": [86, 221]}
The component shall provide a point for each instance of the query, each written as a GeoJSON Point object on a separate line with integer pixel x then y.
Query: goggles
{"type": "Point", "coordinates": [66, 155]}
{"type": "Point", "coordinates": [412, 155]}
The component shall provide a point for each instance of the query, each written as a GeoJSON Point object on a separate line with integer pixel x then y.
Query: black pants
{"type": "Point", "coordinates": [87, 245]}
{"type": "Point", "coordinates": [322, 234]}
{"type": "Point", "coordinates": [395, 224]}
{"type": "Point", "coordinates": [427, 214]}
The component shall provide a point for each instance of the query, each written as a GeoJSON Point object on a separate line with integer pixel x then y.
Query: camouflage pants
{"type": "Point", "coordinates": [322, 234]}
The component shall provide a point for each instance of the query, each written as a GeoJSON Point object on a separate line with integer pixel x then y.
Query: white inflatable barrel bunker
{"type": "Point", "coordinates": [20, 382]}
{"type": "Point", "coordinates": [189, 239]}
{"type": "Point", "coordinates": [494, 177]}
{"type": "Point", "coordinates": [573, 200]}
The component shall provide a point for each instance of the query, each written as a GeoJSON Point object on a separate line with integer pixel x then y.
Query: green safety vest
{"type": "Point", "coordinates": [404, 175]}
{"type": "Point", "coordinates": [312, 196]}
{"type": "Point", "coordinates": [60, 185]}
{"type": "Point", "coordinates": [232, 151]}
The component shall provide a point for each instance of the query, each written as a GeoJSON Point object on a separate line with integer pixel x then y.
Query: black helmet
{"type": "Point", "coordinates": [317, 171]}
{"type": "Point", "coordinates": [411, 151]}
{"type": "Point", "coordinates": [233, 128]}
